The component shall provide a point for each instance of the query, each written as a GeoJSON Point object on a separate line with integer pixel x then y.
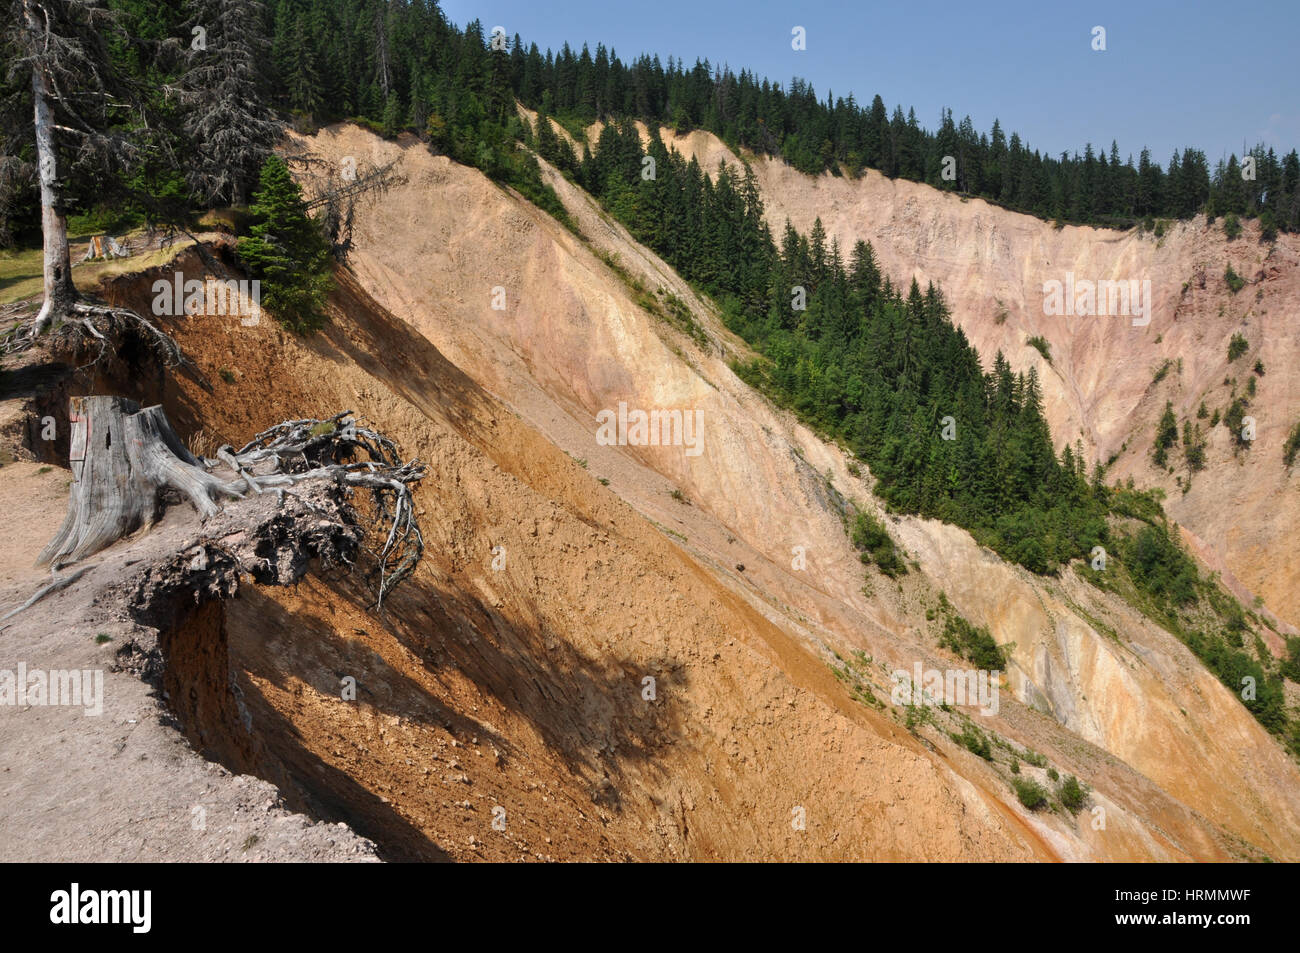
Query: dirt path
{"type": "Point", "coordinates": [122, 785]}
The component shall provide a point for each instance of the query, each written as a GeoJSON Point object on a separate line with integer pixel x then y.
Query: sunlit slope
{"type": "Point", "coordinates": [572, 341]}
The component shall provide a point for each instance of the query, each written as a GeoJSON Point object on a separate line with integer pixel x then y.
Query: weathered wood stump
{"type": "Point", "coordinates": [105, 246]}
{"type": "Point", "coordinates": [125, 461]}
{"type": "Point", "coordinates": [123, 458]}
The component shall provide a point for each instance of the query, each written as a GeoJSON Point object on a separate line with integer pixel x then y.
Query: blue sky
{"type": "Point", "coordinates": [1208, 74]}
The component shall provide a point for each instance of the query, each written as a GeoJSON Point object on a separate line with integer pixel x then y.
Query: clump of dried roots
{"type": "Point", "coordinates": [127, 461]}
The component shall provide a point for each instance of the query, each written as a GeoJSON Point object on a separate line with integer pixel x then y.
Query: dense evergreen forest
{"type": "Point", "coordinates": [400, 65]}
{"type": "Point", "coordinates": [885, 371]}
{"type": "Point", "coordinates": [880, 368]}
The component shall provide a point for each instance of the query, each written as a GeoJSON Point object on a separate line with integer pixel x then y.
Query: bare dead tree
{"type": "Point", "coordinates": [127, 462]}
{"type": "Point", "coordinates": [228, 123]}
{"type": "Point", "coordinates": [333, 189]}
{"type": "Point", "coordinates": [382, 72]}
{"type": "Point", "coordinates": [56, 41]}
{"type": "Point", "coordinates": [62, 44]}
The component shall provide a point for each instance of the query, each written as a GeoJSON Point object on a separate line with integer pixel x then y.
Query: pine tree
{"type": "Point", "coordinates": [298, 73]}
{"type": "Point", "coordinates": [1166, 434]}
{"type": "Point", "coordinates": [286, 251]}
{"type": "Point", "coordinates": [392, 121]}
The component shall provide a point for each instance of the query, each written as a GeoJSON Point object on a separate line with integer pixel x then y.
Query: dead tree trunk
{"type": "Point", "coordinates": [60, 292]}
{"type": "Point", "coordinates": [65, 46]}
{"type": "Point", "coordinates": [125, 460]}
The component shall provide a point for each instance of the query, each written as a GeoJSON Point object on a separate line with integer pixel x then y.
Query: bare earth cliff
{"type": "Point", "coordinates": [621, 652]}
{"type": "Point", "coordinates": [1100, 386]}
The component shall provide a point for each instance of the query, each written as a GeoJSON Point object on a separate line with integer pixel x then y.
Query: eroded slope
{"type": "Point", "coordinates": [572, 341]}
{"type": "Point", "coordinates": [1100, 387]}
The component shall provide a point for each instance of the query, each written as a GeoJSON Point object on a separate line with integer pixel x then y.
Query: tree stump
{"type": "Point", "coordinates": [126, 460]}
{"type": "Point", "coordinates": [123, 458]}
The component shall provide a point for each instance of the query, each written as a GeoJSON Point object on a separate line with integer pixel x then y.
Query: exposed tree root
{"type": "Point", "coordinates": [59, 583]}
{"type": "Point", "coordinates": [89, 326]}
{"type": "Point", "coordinates": [127, 461]}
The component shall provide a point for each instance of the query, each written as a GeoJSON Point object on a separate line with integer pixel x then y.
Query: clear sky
{"type": "Point", "coordinates": [1175, 72]}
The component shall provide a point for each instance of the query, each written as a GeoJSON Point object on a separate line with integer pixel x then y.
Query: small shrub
{"type": "Point", "coordinates": [975, 644]}
{"type": "Point", "coordinates": [1235, 281]}
{"type": "Point", "coordinates": [974, 741]}
{"type": "Point", "coordinates": [1290, 667]}
{"type": "Point", "coordinates": [1051, 773]}
{"type": "Point", "coordinates": [227, 375]}
{"type": "Point", "coordinates": [1237, 347]}
{"type": "Point", "coordinates": [1072, 794]}
{"type": "Point", "coordinates": [875, 545]}
{"type": "Point", "coordinates": [1031, 794]}
{"type": "Point", "coordinates": [1231, 226]}
{"type": "Point", "coordinates": [1292, 446]}
{"type": "Point", "coordinates": [1039, 343]}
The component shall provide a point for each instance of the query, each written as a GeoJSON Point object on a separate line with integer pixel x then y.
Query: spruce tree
{"type": "Point", "coordinates": [286, 251]}
{"type": "Point", "coordinates": [299, 77]}
{"type": "Point", "coordinates": [1166, 434]}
